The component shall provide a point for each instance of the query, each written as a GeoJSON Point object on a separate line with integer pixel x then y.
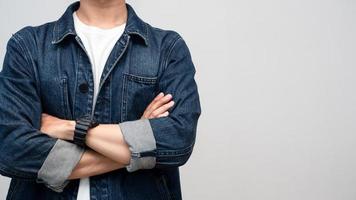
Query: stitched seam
{"type": "Point", "coordinates": [141, 79]}
{"type": "Point", "coordinates": [170, 51]}
{"type": "Point", "coordinates": [178, 152]}
{"type": "Point", "coordinates": [123, 98]}
{"type": "Point", "coordinates": [29, 59]}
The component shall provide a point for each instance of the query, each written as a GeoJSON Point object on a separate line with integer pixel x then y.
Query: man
{"type": "Point", "coordinates": [96, 105]}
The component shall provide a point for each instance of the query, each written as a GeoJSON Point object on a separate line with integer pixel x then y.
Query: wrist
{"type": "Point", "coordinates": [82, 126]}
{"type": "Point", "coordinates": [70, 127]}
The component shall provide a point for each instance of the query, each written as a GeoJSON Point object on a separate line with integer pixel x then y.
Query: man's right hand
{"type": "Point", "coordinates": [159, 106]}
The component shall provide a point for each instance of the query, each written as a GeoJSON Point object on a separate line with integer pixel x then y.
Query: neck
{"type": "Point", "coordinates": [102, 13]}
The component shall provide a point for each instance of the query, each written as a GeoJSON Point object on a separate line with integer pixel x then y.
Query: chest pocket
{"type": "Point", "coordinates": [138, 92]}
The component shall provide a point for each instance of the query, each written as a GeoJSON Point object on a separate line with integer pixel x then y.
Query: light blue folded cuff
{"type": "Point", "coordinates": [138, 134]}
{"type": "Point", "coordinates": [59, 164]}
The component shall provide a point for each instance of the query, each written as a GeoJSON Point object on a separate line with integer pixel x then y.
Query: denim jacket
{"type": "Point", "coordinates": [46, 70]}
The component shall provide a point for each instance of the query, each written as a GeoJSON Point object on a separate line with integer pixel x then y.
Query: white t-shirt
{"type": "Point", "coordinates": [98, 43]}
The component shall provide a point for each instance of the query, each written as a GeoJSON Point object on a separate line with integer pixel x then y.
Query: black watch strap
{"type": "Point", "coordinates": [81, 129]}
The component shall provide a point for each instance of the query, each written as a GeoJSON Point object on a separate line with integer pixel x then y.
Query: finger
{"type": "Point", "coordinates": [159, 96]}
{"type": "Point", "coordinates": [162, 109]}
{"type": "Point", "coordinates": [159, 103]}
{"type": "Point", "coordinates": [165, 114]}
{"type": "Point", "coordinates": [156, 100]}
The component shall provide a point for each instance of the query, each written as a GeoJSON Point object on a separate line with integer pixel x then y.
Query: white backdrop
{"type": "Point", "coordinates": [277, 86]}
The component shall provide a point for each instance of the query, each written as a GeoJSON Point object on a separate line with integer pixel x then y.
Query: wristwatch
{"type": "Point", "coordinates": [82, 125]}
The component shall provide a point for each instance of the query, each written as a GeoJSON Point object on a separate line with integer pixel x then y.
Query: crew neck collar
{"type": "Point", "coordinates": [88, 27]}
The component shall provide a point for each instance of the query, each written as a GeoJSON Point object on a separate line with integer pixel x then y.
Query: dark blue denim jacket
{"type": "Point", "coordinates": [46, 70]}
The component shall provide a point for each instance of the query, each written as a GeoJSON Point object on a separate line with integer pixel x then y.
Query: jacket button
{"type": "Point", "coordinates": [83, 88]}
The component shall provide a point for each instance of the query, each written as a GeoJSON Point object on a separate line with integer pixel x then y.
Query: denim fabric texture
{"type": "Point", "coordinates": [46, 70]}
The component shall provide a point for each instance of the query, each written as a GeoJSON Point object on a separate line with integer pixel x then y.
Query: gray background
{"type": "Point", "coordinates": [277, 85]}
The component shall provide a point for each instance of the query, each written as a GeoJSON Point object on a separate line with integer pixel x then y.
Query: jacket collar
{"type": "Point", "coordinates": [64, 26]}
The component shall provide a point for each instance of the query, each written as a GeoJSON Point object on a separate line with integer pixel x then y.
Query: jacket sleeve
{"type": "Point", "coordinates": [168, 141]}
{"type": "Point", "coordinates": [26, 153]}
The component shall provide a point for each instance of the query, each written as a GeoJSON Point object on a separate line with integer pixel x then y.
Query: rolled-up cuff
{"type": "Point", "coordinates": [138, 134]}
{"type": "Point", "coordinates": [58, 166]}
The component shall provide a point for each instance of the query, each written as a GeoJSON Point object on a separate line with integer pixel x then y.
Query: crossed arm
{"type": "Point", "coordinates": [108, 149]}
{"type": "Point", "coordinates": [29, 152]}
